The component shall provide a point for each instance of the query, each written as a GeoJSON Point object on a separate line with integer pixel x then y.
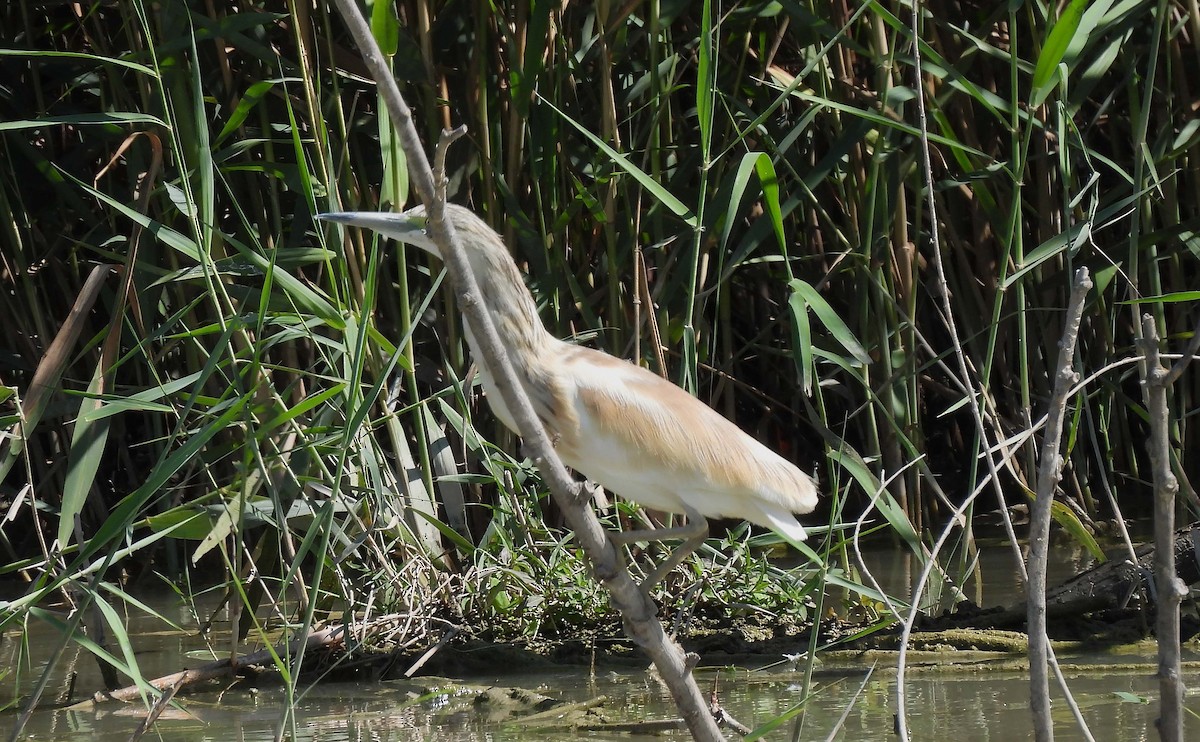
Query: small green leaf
{"type": "Point", "coordinates": [1068, 239]}
{"type": "Point", "coordinates": [665, 197]}
{"type": "Point", "coordinates": [801, 334]}
{"type": "Point", "coordinates": [705, 80]}
{"type": "Point", "coordinates": [83, 461]}
{"type": "Point", "coordinates": [1045, 76]}
{"type": "Point", "coordinates": [183, 522]}
{"type": "Point", "coordinates": [245, 105]}
{"type": "Point", "coordinates": [1070, 523]}
{"type": "Point", "coordinates": [831, 320]}
{"type": "Point", "coordinates": [1171, 298]}
{"type": "Point", "coordinates": [385, 27]}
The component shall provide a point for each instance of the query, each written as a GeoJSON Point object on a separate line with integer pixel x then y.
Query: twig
{"type": "Point", "coordinates": [1049, 472]}
{"type": "Point", "coordinates": [657, 726]}
{"type": "Point", "coordinates": [556, 713]}
{"type": "Point", "coordinates": [900, 720]}
{"type": "Point", "coordinates": [636, 608]}
{"type": "Point", "coordinates": [69, 694]}
{"type": "Point", "coordinates": [453, 632]}
{"type": "Point", "coordinates": [725, 719]}
{"type": "Point", "coordinates": [841, 722]}
{"type": "Point", "coordinates": [94, 630]}
{"type": "Point", "coordinates": [156, 710]}
{"type": "Point", "coordinates": [856, 539]}
{"type": "Point", "coordinates": [1169, 587]}
{"type": "Point", "coordinates": [1185, 358]}
{"type": "Point", "coordinates": [975, 397]}
{"type": "Point", "coordinates": [177, 681]}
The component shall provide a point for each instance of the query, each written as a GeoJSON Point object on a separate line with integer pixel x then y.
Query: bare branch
{"type": "Point", "coordinates": [637, 609]}
{"type": "Point", "coordinates": [1049, 472]}
{"type": "Point", "coordinates": [1169, 588]}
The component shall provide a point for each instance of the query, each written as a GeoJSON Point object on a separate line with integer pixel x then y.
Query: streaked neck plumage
{"type": "Point", "coordinates": [507, 299]}
{"type": "Point", "coordinates": [529, 346]}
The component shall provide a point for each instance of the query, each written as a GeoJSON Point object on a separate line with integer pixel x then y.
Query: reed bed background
{"type": "Point", "coordinates": [196, 373]}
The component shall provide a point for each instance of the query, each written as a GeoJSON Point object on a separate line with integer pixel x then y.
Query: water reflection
{"type": "Point", "coordinates": [978, 706]}
{"type": "Point", "coordinates": [993, 579]}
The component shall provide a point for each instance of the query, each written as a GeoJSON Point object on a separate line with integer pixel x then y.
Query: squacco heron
{"type": "Point", "coordinates": [618, 424]}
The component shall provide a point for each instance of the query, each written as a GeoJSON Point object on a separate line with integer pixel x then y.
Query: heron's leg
{"type": "Point", "coordinates": [693, 533]}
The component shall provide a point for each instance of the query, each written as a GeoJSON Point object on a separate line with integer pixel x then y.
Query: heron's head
{"type": "Point", "coordinates": [409, 227]}
{"type": "Point", "coordinates": [500, 282]}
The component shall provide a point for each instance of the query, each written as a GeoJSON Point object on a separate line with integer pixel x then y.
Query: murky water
{"type": "Point", "coordinates": [985, 702]}
{"type": "Point", "coordinates": [980, 706]}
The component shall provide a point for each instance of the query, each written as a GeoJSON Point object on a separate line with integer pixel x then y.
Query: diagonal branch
{"type": "Point", "coordinates": [636, 608]}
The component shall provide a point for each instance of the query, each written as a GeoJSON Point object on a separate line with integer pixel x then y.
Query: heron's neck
{"type": "Point", "coordinates": [511, 306]}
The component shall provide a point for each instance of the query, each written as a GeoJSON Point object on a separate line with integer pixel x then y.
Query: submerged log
{"type": "Point", "coordinates": [1115, 585]}
{"type": "Point", "coordinates": [332, 636]}
{"type": "Point", "coordinates": [1118, 582]}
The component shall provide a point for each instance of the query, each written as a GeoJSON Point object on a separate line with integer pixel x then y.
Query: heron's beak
{"type": "Point", "coordinates": [407, 227]}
